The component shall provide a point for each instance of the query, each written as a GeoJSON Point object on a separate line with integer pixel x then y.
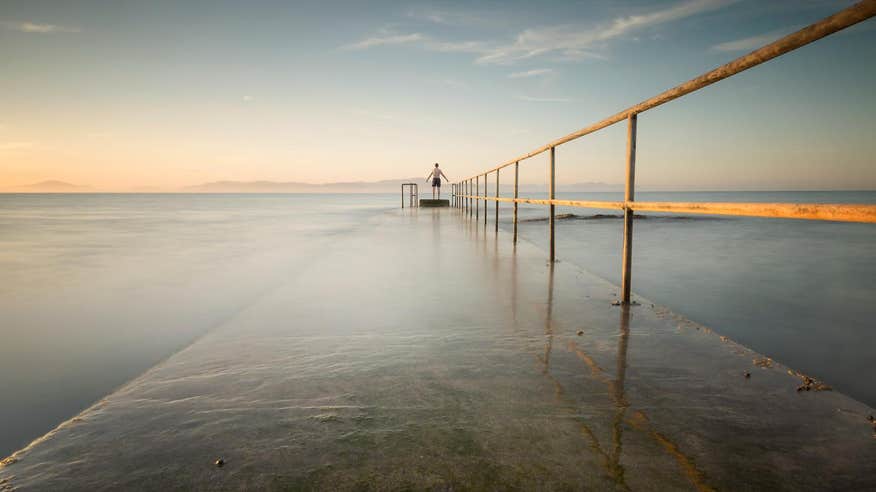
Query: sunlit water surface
{"type": "Point", "coordinates": [98, 288]}
{"type": "Point", "coordinates": [803, 292]}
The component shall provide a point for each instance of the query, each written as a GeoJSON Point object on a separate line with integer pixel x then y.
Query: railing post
{"type": "Point", "coordinates": [553, 195]}
{"type": "Point", "coordinates": [477, 193]}
{"type": "Point", "coordinates": [516, 175]}
{"type": "Point", "coordinates": [497, 201]}
{"type": "Point", "coordinates": [403, 195]}
{"type": "Point", "coordinates": [485, 194]}
{"type": "Point", "coordinates": [486, 187]}
{"type": "Point", "coordinates": [629, 196]}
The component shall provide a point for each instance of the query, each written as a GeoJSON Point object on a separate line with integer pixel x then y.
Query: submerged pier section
{"type": "Point", "coordinates": [456, 359]}
{"type": "Point", "coordinates": [424, 202]}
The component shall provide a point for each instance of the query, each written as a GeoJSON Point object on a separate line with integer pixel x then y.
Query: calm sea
{"type": "Point", "coordinates": [98, 288]}
{"type": "Point", "coordinates": [801, 292]}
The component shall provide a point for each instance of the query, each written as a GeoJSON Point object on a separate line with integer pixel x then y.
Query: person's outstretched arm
{"type": "Point", "coordinates": [429, 176]}
{"type": "Point", "coordinates": [444, 176]}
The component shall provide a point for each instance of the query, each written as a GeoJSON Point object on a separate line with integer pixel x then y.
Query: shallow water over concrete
{"type": "Point", "coordinates": [98, 288]}
{"type": "Point", "coordinates": [425, 352]}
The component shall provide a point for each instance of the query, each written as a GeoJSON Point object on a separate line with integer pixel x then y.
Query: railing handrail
{"type": "Point", "coordinates": [812, 211]}
{"type": "Point", "coordinates": [829, 25]}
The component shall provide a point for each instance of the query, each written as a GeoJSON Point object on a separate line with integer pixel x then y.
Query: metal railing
{"type": "Point", "coordinates": [413, 194]}
{"type": "Point", "coordinates": [468, 198]}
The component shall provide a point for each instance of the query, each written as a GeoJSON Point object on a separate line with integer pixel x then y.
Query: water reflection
{"type": "Point", "coordinates": [436, 235]}
{"type": "Point", "coordinates": [514, 285]}
{"type": "Point", "coordinates": [548, 321]}
{"type": "Point", "coordinates": [610, 462]}
{"type": "Point", "coordinates": [610, 456]}
{"type": "Point", "coordinates": [621, 404]}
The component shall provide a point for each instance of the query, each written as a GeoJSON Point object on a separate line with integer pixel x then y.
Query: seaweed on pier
{"type": "Point", "coordinates": [763, 362]}
{"type": "Point", "coordinates": [809, 383]}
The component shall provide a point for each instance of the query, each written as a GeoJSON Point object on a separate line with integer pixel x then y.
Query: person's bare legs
{"type": "Point", "coordinates": [433, 192]}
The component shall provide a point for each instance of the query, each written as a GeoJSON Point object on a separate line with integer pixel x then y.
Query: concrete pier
{"type": "Point", "coordinates": [434, 203]}
{"type": "Point", "coordinates": [424, 351]}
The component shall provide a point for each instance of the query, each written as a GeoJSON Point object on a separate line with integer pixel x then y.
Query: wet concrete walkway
{"type": "Point", "coordinates": [425, 352]}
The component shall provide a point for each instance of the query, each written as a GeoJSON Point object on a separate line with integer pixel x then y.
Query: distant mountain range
{"type": "Point", "coordinates": [385, 186]}
{"type": "Point", "coordinates": [51, 186]}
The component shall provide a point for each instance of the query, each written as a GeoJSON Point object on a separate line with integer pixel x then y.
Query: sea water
{"type": "Point", "coordinates": [802, 292]}
{"type": "Point", "coordinates": [98, 288]}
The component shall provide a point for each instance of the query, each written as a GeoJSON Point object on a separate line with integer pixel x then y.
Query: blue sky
{"type": "Point", "coordinates": [122, 95]}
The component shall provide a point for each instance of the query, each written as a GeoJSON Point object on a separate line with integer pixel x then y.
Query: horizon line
{"type": "Point", "coordinates": [646, 190]}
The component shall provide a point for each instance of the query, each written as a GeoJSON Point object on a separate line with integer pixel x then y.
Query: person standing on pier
{"type": "Point", "coordinates": [436, 176]}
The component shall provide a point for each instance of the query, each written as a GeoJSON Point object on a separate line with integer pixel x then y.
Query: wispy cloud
{"type": "Point", "coordinates": [247, 99]}
{"type": "Point", "coordinates": [569, 42]}
{"type": "Point", "coordinates": [753, 42]}
{"type": "Point", "coordinates": [575, 42]}
{"type": "Point", "coordinates": [33, 27]}
{"type": "Point", "coordinates": [456, 46]}
{"type": "Point", "coordinates": [538, 72]}
{"type": "Point", "coordinates": [454, 17]}
{"type": "Point", "coordinates": [433, 15]}
{"type": "Point", "coordinates": [16, 145]}
{"type": "Point", "coordinates": [543, 99]}
{"type": "Point", "coordinates": [385, 39]}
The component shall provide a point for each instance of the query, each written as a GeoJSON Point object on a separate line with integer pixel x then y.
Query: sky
{"type": "Point", "coordinates": [130, 95]}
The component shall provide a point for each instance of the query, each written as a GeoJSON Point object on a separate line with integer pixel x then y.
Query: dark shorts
{"type": "Point", "coordinates": [436, 182]}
